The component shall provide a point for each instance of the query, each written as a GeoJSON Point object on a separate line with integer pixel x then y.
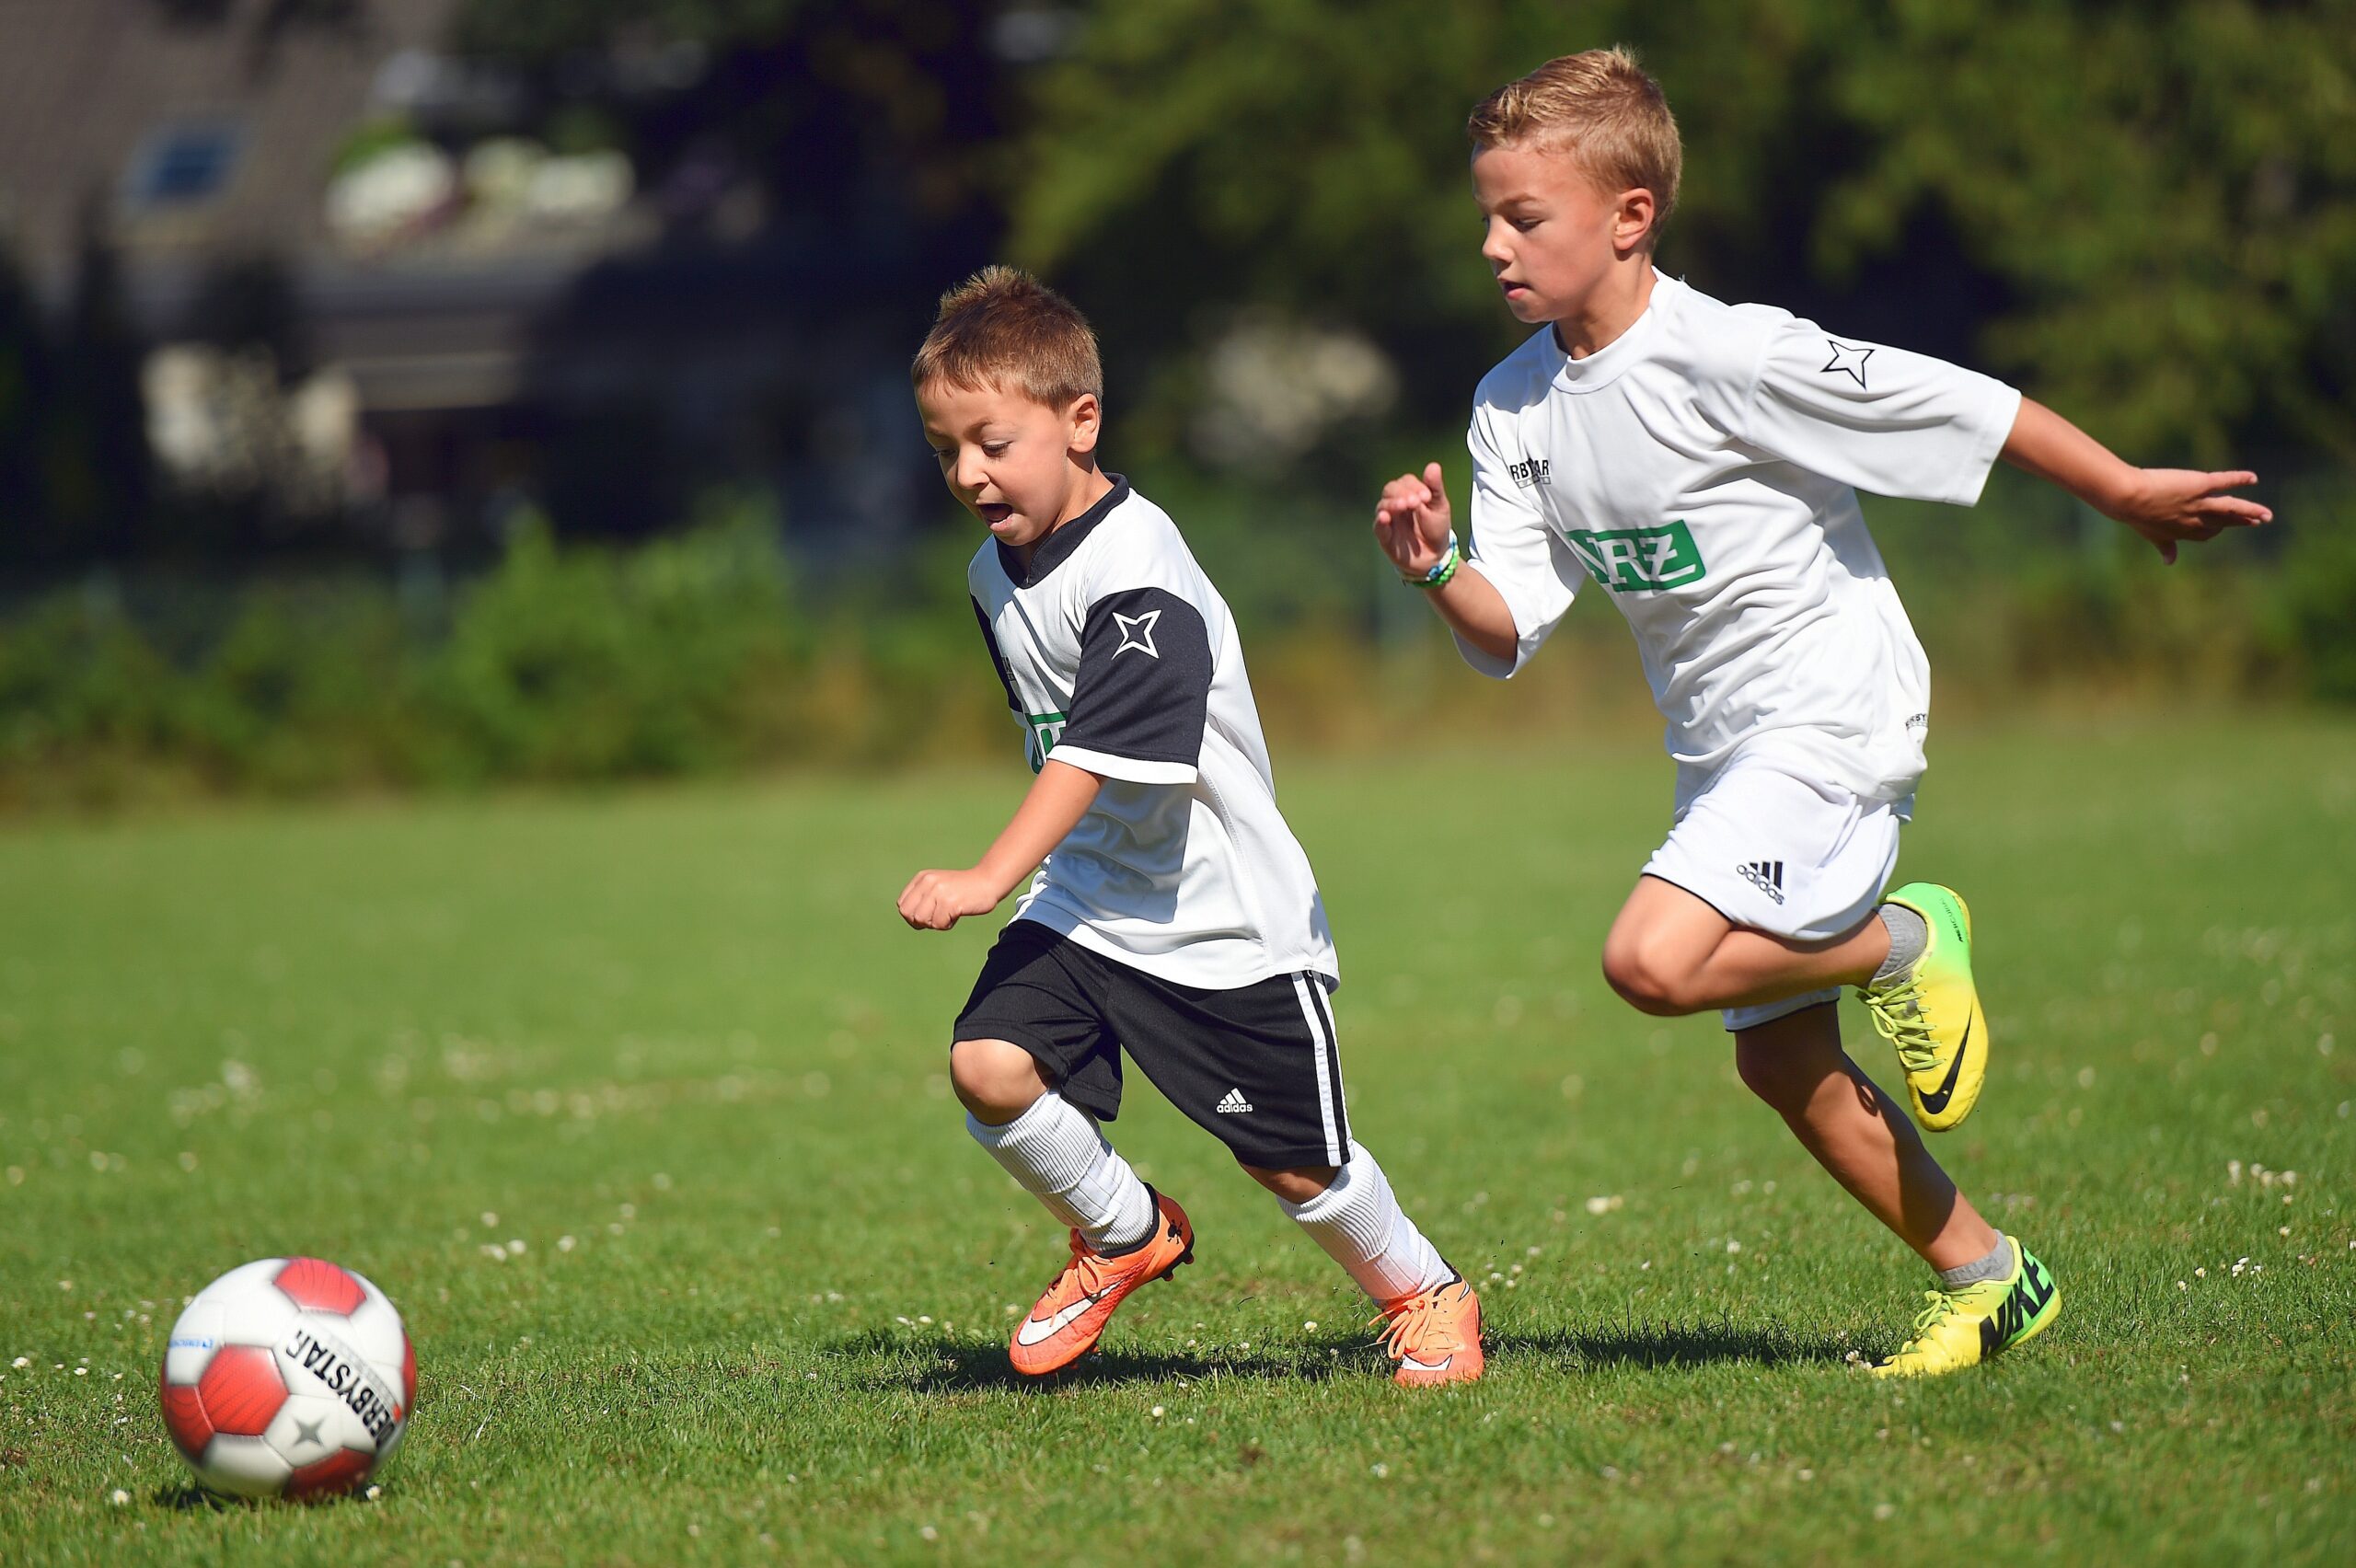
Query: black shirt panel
{"type": "Point", "coordinates": [1143, 690]}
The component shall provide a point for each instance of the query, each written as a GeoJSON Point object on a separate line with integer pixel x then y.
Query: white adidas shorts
{"type": "Point", "coordinates": [1780, 854]}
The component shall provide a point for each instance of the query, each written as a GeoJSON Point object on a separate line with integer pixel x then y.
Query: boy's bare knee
{"type": "Point", "coordinates": [1297, 1185]}
{"type": "Point", "coordinates": [1635, 970]}
{"type": "Point", "coordinates": [996, 1079]}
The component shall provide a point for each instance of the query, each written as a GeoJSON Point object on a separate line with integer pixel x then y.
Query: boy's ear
{"type": "Point", "coordinates": [1632, 225]}
{"type": "Point", "coordinates": [1084, 421]}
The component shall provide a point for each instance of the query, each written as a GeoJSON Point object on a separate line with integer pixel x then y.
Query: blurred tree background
{"type": "Point", "coordinates": [2144, 214]}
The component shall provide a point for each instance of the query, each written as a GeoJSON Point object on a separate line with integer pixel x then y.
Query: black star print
{"type": "Point", "coordinates": [1847, 361]}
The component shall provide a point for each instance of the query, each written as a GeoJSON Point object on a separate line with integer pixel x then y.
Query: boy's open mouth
{"type": "Point", "coordinates": [994, 513]}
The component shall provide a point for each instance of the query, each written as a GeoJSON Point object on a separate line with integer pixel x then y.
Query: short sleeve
{"type": "Point", "coordinates": [1142, 693]}
{"type": "Point", "coordinates": [1522, 559]}
{"type": "Point", "coordinates": [1882, 419]}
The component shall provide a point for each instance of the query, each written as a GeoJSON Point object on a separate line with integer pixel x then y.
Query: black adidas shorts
{"type": "Point", "coordinates": [1256, 1066]}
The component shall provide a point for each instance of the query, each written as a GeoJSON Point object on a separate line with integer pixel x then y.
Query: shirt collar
{"type": "Point", "coordinates": [1058, 547]}
{"type": "Point", "coordinates": [1606, 364]}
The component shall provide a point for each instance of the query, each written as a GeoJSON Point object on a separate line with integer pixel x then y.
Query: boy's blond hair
{"type": "Point", "coordinates": [1601, 108]}
{"type": "Point", "coordinates": [1004, 329]}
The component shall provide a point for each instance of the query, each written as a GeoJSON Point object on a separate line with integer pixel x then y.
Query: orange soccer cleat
{"type": "Point", "coordinates": [1070, 1317]}
{"type": "Point", "coordinates": [1434, 1336]}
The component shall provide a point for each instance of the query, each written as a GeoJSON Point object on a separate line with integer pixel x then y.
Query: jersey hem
{"type": "Point", "coordinates": [1073, 929]}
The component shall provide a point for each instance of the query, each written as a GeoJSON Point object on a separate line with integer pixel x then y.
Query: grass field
{"type": "Point", "coordinates": [636, 1106]}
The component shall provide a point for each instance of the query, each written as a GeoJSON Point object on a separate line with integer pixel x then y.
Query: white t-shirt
{"type": "Point", "coordinates": [1118, 656]}
{"type": "Point", "coordinates": [1703, 467]}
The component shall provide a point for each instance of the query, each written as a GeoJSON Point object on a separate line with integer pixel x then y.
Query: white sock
{"type": "Point", "coordinates": [1054, 1153]}
{"type": "Point", "coordinates": [1360, 1225]}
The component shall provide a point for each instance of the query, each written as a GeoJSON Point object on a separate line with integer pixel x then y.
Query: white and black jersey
{"type": "Point", "coordinates": [1118, 656]}
{"type": "Point", "coordinates": [1703, 469]}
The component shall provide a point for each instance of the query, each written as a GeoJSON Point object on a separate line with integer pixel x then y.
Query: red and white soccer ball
{"type": "Point", "coordinates": [288, 1378]}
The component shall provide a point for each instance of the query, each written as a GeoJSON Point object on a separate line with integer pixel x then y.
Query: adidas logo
{"type": "Point", "coordinates": [1234, 1105]}
{"type": "Point", "coordinates": [1767, 876]}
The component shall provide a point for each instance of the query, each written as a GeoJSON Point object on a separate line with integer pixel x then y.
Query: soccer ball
{"type": "Point", "coordinates": [288, 1378]}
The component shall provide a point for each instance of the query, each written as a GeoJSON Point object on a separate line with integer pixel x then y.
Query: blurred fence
{"type": "Point", "coordinates": [429, 393]}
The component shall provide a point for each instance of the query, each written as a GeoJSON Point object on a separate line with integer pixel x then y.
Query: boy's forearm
{"type": "Point", "coordinates": [1476, 612]}
{"type": "Point", "coordinates": [1058, 798]}
{"type": "Point", "coordinates": [2044, 444]}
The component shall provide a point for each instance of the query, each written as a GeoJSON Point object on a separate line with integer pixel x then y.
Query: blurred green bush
{"type": "Point", "coordinates": [700, 653]}
{"type": "Point", "coordinates": [691, 654]}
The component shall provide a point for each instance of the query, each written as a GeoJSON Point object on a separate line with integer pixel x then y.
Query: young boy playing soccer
{"type": "Point", "coordinates": [1701, 463]}
{"type": "Point", "coordinates": [1173, 915]}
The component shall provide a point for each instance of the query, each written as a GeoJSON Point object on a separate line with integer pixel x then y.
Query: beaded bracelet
{"type": "Point", "coordinates": [1442, 569]}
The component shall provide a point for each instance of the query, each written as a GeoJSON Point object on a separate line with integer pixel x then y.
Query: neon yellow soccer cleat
{"type": "Point", "coordinates": [1932, 1014]}
{"type": "Point", "coordinates": [1964, 1328]}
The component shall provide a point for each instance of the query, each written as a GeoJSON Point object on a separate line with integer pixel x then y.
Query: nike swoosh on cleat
{"type": "Point", "coordinates": [1412, 1365]}
{"type": "Point", "coordinates": [1054, 1325]}
{"type": "Point", "coordinates": [1934, 1102]}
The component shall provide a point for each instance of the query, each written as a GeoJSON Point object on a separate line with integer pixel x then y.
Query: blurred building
{"type": "Point", "coordinates": [366, 285]}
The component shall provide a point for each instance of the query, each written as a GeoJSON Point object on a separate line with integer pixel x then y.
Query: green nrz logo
{"type": "Point", "coordinates": [1636, 560]}
{"type": "Point", "coordinates": [1046, 729]}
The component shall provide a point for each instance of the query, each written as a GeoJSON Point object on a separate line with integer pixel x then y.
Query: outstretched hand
{"type": "Point", "coordinates": [2174, 506]}
{"type": "Point", "coordinates": [1412, 522]}
{"type": "Point", "coordinates": [934, 901]}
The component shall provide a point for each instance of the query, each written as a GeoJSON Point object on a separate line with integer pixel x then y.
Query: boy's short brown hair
{"type": "Point", "coordinates": [1601, 109]}
{"type": "Point", "coordinates": [1003, 327]}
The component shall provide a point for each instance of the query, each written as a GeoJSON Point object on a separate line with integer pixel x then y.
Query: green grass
{"type": "Point", "coordinates": [686, 1031]}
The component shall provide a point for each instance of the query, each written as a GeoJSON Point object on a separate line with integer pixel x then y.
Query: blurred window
{"type": "Point", "coordinates": [182, 165]}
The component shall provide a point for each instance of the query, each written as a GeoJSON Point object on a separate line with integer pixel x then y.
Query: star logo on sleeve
{"type": "Point", "coordinates": [1137, 631]}
{"type": "Point", "coordinates": [1847, 361]}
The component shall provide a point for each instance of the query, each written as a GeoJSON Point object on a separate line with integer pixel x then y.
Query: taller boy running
{"type": "Point", "coordinates": [1701, 461]}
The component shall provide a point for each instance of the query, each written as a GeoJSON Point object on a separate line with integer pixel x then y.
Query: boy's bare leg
{"type": "Point", "coordinates": [1860, 1134]}
{"type": "Point", "coordinates": [1670, 953]}
{"type": "Point", "coordinates": [1051, 1148]}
